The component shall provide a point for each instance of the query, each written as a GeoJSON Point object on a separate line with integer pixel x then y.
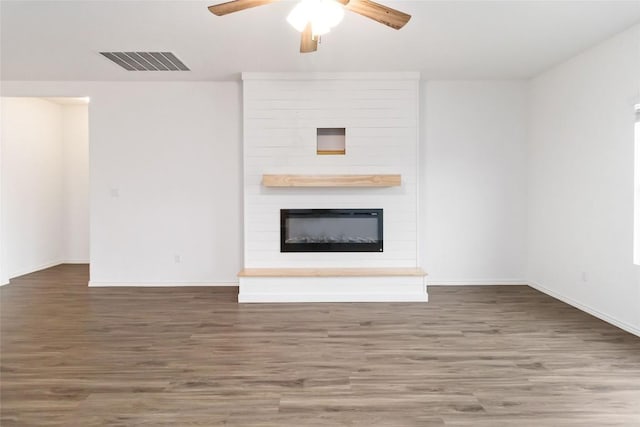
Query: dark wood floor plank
{"type": "Point", "coordinates": [473, 356]}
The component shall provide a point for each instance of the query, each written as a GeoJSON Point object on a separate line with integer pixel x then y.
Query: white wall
{"type": "Point", "coordinates": [474, 181]}
{"type": "Point", "coordinates": [282, 114]}
{"type": "Point", "coordinates": [32, 187]}
{"type": "Point", "coordinates": [165, 183]}
{"type": "Point", "coordinates": [166, 180]}
{"type": "Point", "coordinates": [75, 229]}
{"type": "Point", "coordinates": [4, 278]}
{"type": "Point", "coordinates": [581, 180]}
{"type": "Point", "coordinates": [173, 153]}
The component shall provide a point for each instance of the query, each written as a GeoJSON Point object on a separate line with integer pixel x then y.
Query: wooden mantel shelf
{"type": "Point", "coordinates": [330, 272]}
{"type": "Point", "coordinates": [331, 180]}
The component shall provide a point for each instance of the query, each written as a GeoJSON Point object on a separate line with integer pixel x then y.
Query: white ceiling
{"type": "Point", "coordinates": [60, 40]}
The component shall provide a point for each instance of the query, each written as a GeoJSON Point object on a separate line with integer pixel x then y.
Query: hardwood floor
{"type": "Point", "coordinates": [472, 356]}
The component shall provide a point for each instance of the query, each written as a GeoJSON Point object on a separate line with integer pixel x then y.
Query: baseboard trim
{"type": "Point", "coordinates": [94, 284]}
{"type": "Point", "coordinates": [501, 282]}
{"type": "Point", "coordinates": [34, 269]}
{"type": "Point", "coordinates": [75, 261]}
{"type": "Point", "coordinates": [592, 311]}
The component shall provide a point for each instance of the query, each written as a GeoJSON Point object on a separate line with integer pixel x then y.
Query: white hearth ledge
{"type": "Point", "coordinates": [374, 286]}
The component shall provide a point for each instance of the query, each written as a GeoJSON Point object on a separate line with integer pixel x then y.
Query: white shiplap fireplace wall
{"type": "Point", "coordinates": [282, 112]}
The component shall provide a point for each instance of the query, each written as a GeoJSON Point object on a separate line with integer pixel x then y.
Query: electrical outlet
{"type": "Point", "coordinates": [177, 259]}
{"type": "Point", "coordinates": [584, 276]}
{"type": "Point", "coordinates": [115, 193]}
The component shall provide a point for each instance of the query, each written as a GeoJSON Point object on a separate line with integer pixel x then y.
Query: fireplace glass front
{"type": "Point", "coordinates": [331, 230]}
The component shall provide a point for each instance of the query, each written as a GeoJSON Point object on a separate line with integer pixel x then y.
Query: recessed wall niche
{"type": "Point", "coordinates": [331, 141]}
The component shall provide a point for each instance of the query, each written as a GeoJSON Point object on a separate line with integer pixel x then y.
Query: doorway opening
{"type": "Point", "coordinates": [44, 183]}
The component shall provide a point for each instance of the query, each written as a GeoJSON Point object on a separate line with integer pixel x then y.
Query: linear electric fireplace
{"type": "Point", "coordinates": [331, 230]}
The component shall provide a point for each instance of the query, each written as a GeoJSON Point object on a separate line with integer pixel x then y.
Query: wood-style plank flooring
{"type": "Point", "coordinates": [472, 356]}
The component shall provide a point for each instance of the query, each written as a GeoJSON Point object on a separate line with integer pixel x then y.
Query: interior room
{"type": "Point", "coordinates": [320, 212]}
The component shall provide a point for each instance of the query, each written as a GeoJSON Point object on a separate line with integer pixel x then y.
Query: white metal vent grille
{"type": "Point", "coordinates": [146, 61]}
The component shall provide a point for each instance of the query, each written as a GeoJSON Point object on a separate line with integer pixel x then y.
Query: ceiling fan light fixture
{"type": "Point", "coordinates": [313, 18]}
{"type": "Point", "coordinates": [322, 14]}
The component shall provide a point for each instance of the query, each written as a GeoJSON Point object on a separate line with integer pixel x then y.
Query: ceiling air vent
{"type": "Point", "coordinates": [146, 61]}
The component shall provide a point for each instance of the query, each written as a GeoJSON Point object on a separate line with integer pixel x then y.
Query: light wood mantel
{"type": "Point", "coordinates": [393, 180]}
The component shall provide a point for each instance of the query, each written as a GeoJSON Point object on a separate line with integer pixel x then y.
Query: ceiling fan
{"type": "Point", "coordinates": [314, 18]}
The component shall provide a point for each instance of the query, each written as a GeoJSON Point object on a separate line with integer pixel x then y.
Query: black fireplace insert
{"type": "Point", "coordinates": [331, 230]}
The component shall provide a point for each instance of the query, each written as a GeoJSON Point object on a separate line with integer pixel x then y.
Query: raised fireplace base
{"type": "Point", "coordinates": [332, 285]}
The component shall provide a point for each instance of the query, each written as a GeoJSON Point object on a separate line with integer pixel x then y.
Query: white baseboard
{"type": "Point", "coordinates": [592, 311]}
{"type": "Point", "coordinates": [4, 283]}
{"type": "Point", "coordinates": [501, 282]}
{"type": "Point", "coordinates": [158, 284]}
{"type": "Point", "coordinates": [34, 269]}
{"type": "Point", "coordinates": [75, 261]}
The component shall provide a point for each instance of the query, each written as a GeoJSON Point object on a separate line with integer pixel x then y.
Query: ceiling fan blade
{"type": "Point", "coordinates": [383, 14]}
{"type": "Point", "coordinates": [236, 6]}
{"type": "Point", "coordinates": [307, 42]}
